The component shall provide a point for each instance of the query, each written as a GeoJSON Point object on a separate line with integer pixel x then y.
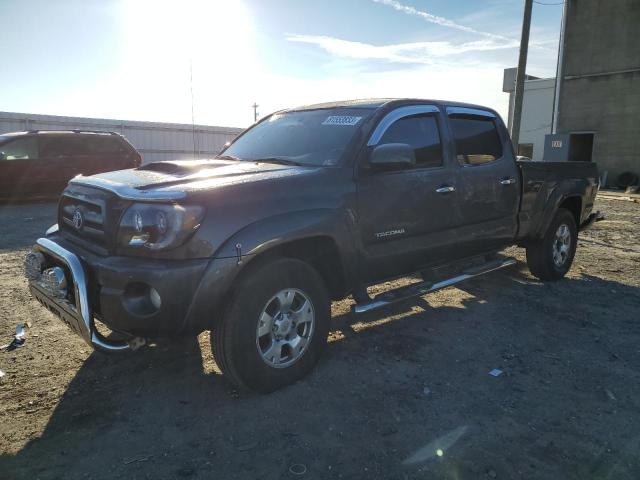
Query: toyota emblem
{"type": "Point", "coordinates": [77, 219]}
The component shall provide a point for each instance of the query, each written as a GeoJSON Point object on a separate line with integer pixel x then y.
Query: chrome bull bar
{"type": "Point", "coordinates": [76, 314]}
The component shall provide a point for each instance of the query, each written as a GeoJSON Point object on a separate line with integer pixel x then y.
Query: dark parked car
{"type": "Point", "coordinates": [308, 205]}
{"type": "Point", "coordinates": [40, 163]}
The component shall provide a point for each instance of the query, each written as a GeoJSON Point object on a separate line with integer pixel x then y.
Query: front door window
{"type": "Point", "coordinates": [19, 149]}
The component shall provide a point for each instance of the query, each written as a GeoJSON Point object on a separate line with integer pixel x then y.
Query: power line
{"type": "Point", "coordinates": [542, 3]}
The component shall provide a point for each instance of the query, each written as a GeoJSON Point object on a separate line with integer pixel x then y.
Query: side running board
{"type": "Point", "coordinates": [422, 288]}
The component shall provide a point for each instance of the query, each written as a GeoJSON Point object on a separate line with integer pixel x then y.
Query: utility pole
{"type": "Point", "coordinates": [520, 76]}
{"type": "Point", "coordinates": [193, 116]}
{"type": "Point", "coordinates": [255, 111]}
{"type": "Point", "coordinates": [559, 70]}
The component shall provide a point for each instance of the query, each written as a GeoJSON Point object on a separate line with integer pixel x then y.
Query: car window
{"type": "Point", "coordinates": [102, 144]}
{"type": "Point", "coordinates": [19, 149]}
{"type": "Point", "coordinates": [63, 145]}
{"type": "Point", "coordinates": [476, 138]}
{"type": "Point", "coordinates": [422, 133]}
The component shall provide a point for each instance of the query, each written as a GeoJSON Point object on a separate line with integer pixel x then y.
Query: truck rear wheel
{"type": "Point", "coordinates": [551, 257]}
{"type": "Point", "coordinates": [275, 326]}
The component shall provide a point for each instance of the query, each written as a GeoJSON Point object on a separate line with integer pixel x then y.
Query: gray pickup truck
{"type": "Point", "coordinates": [308, 205]}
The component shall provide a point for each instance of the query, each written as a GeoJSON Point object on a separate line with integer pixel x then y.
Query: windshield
{"type": "Point", "coordinates": [311, 137]}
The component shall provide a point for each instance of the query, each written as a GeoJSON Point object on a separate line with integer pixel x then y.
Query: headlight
{"type": "Point", "coordinates": [158, 227]}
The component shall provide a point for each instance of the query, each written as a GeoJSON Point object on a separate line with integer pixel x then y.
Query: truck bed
{"type": "Point", "coordinates": [545, 185]}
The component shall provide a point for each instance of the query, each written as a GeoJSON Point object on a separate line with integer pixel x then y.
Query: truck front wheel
{"type": "Point", "coordinates": [275, 326]}
{"type": "Point", "coordinates": [551, 257]}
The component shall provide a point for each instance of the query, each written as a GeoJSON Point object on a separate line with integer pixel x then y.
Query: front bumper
{"type": "Point", "coordinates": [116, 291]}
{"type": "Point", "coordinates": [73, 309]}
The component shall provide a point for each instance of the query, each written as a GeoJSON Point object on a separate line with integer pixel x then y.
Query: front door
{"type": "Point", "coordinates": [22, 172]}
{"type": "Point", "coordinates": [407, 217]}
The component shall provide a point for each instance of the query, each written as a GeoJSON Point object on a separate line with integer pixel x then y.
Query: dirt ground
{"type": "Point", "coordinates": [401, 394]}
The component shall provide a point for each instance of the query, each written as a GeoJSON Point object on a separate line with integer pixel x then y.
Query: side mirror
{"type": "Point", "coordinates": [224, 147]}
{"type": "Point", "coordinates": [393, 156]}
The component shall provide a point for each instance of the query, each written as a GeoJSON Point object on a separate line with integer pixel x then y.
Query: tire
{"type": "Point", "coordinates": [551, 257]}
{"type": "Point", "coordinates": [245, 354]}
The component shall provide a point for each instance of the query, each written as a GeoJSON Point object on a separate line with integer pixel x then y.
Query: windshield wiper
{"type": "Point", "coordinates": [277, 160]}
{"type": "Point", "coordinates": [227, 157]}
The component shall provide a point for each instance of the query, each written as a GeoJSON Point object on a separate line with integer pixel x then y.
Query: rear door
{"type": "Point", "coordinates": [107, 152]}
{"type": "Point", "coordinates": [407, 217]}
{"type": "Point", "coordinates": [488, 180]}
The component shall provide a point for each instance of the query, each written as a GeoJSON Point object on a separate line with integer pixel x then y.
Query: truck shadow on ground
{"type": "Point", "coordinates": [158, 413]}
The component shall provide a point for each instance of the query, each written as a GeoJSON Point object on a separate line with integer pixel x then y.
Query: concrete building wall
{"type": "Point", "coordinates": [537, 109]}
{"type": "Point", "coordinates": [600, 87]}
{"type": "Point", "coordinates": [155, 141]}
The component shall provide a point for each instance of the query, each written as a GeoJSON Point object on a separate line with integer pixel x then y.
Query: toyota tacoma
{"type": "Point", "coordinates": [309, 205]}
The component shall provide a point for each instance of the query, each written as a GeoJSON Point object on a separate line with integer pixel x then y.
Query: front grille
{"type": "Point", "coordinates": [89, 217]}
{"type": "Point", "coordinates": [91, 224]}
{"type": "Point", "coordinates": [83, 219]}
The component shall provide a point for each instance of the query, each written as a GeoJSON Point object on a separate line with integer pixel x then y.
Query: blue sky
{"type": "Point", "coordinates": [132, 59]}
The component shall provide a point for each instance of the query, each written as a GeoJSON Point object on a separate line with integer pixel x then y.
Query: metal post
{"type": "Point", "coordinates": [255, 111]}
{"type": "Point", "coordinates": [520, 76]}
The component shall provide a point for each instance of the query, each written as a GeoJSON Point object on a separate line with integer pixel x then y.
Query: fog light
{"type": "Point", "coordinates": [154, 296]}
{"type": "Point", "coordinates": [141, 299]}
{"type": "Point", "coordinates": [54, 281]}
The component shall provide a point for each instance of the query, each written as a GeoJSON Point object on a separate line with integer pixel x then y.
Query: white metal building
{"type": "Point", "coordinates": [155, 141]}
{"type": "Point", "coordinates": [537, 111]}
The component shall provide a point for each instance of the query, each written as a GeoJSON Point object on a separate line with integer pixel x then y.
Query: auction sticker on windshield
{"type": "Point", "coordinates": [341, 120]}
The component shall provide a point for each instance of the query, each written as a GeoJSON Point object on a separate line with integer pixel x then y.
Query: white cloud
{"type": "Point", "coordinates": [445, 22]}
{"type": "Point", "coordinates": [415, 52]}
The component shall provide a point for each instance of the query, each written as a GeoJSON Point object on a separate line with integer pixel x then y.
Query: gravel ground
{"type": "Point", "coordinates": [403, 393]}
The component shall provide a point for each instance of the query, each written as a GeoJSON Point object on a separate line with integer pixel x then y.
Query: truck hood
{"type": "Point", "coordinates": [175, 179]}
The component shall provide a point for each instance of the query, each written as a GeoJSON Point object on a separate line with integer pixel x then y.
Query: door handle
{"type": "Point", "coordinates": [507, 181]}
{"type": "Point", "coordinates": [446, 189]}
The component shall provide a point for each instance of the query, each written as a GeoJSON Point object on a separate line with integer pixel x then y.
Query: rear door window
{"type": "Point", "coordinates": [476, 138]}
{"type": "Point", "coordinates": [19, 149]}
{"type": "Point", "coordinates": [422, 133]}
{"type": "Point", "coordinates": [103, 145]}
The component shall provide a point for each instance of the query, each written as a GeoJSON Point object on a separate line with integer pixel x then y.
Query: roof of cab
{"type": "Point", "coordinates": [362, 103]}
{"type": "Point", "coordinates": [375, 103]}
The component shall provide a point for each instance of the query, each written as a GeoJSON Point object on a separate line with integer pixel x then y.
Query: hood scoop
{"type": "Point", "coordinates": [183, 167]}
